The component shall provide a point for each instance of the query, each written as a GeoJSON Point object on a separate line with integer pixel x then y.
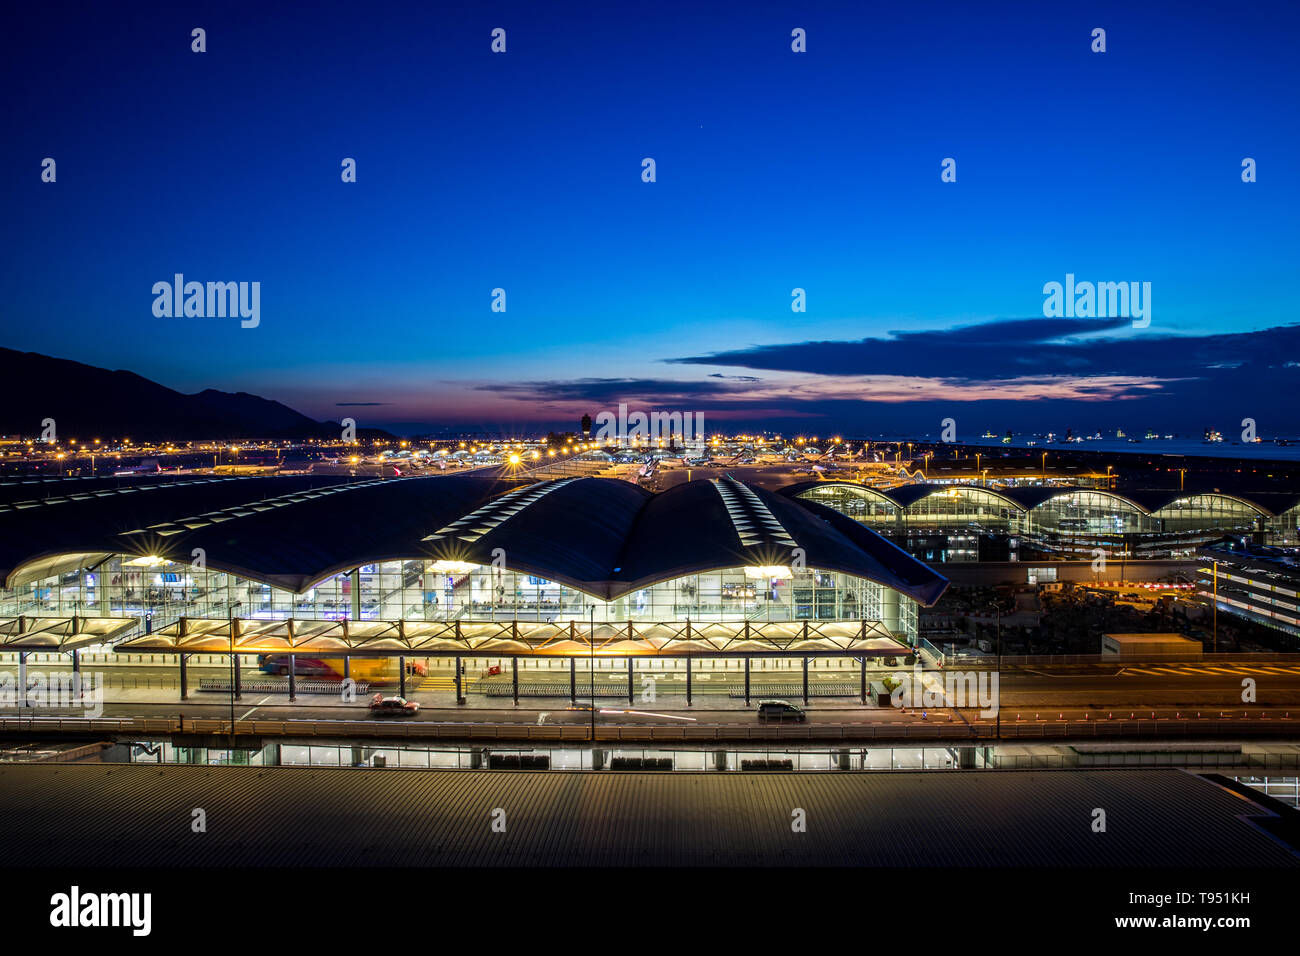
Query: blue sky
{"type": "Point", "coordinates": [775, 170]}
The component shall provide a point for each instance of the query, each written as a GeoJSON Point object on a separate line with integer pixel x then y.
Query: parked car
{"type": "Point", "coordinates": [780, 710]}
{"type": "Point", "coordinates": [381, 706]}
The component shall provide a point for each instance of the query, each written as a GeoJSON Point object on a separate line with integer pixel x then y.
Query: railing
{"type": "Point", "coordinates": [301, 686]}
{"type": "Point", "coordinates": [927, 649]}
{"type": "Point", "coordinates": [1048, 660]}
{"type": "Point", "coordinates": [1060, 731]}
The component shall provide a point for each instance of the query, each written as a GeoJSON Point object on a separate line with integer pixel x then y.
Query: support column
{"type": "Point", "coordinates": [573, 680]}
{"type": "Point", "coordinates": [688, 680]}
{"type": "Point", "coordinates": [293, 677]}
{"type": "Point", "coordinates": [805, 680]}
{"type": "Point", "coordinates": [185, 687]}
{"type": "Point", "coordinates": [76, 662]}
{"type": "Point", "coordinates": [746, 681]}
{"type": "Point", "coordinates": [238, 681]}
{"type": "Point", "coordinates": [459, 698]}
{"type": "Point", "coordinates": [514, 676]}
{"type": "Point", "coordinates": [347, 666]}
{"type": "Point", "coordinates": [629, 678]}
{"type": "Point", "coordinates": [22, 678]}
{"type": "Point", "coordinates": [401, 677]}
{"type": "Point", "coordinates": [862, 678]}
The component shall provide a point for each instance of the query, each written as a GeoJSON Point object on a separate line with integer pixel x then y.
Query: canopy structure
{"type": "Point", "coordinates": [315, 638]}
{"type": "Point", "coordinates": [61, 634]}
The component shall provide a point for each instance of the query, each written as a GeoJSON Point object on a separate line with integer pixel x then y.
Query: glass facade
{"type": "Point", "coordinates": [160, 592]}
{"type": "Point", "coordinates": [1284, 529]}
{"type": "Point", "coordinates": [1070, 525]}
{"type": "Point", "coordinates": [865, 504]}
{"type": "Point", "coordinates": [961, 508]}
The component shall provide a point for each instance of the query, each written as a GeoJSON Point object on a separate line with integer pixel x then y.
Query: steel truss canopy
{"type": "Point", "coordinates": [61, 634]}
{"type": "Point", "coordinates": [602, 536]}
{"type": "Point", "coordinates": [322, 638]}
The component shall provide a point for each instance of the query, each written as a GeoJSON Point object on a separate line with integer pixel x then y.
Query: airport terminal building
{"type": "Point", "coordinates": [947, 522]}
{"type": "Point", "coordinates": [448, 565]}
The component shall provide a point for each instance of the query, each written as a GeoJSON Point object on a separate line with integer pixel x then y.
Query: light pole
{"type": "Point", "coordinates": [234, 664]}
{"type": "Point", "coordinates": [591, 645]}
{"type": "Point", "coordinates": [1216, 607]}
{"type": "Point", "coordinates": [997, 713]}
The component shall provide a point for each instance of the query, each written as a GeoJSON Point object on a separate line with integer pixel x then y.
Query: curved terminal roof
{"type": "Point", "coordinates": [1269, 504]}
{"type": "Point", "coordinates": [602, 536]}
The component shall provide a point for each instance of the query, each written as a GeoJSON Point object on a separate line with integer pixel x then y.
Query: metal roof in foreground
{"type": "Point", "coordinates": [139, 815]}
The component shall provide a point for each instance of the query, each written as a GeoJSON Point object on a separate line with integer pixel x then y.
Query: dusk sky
{"type": "Point", "coordinates": [775, 170]}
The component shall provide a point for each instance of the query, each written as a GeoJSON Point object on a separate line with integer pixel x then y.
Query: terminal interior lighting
{"type": "Point", "coordinates": [767, 571]}
{"type": "Point", "coordinates": [455, 567]}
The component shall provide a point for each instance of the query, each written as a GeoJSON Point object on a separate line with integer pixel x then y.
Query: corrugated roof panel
{"type": "Point", "coordinates": [352, 817]}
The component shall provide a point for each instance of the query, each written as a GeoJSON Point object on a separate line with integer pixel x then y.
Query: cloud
{"type": "Point", "coordinates": [1017, 369]}
{"type": "Point", "coordinates": [1004, 349]}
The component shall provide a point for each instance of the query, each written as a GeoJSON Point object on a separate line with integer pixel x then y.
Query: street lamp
{"type": "Point", "coordinates": [1216, 606]}
{"type": "Point", "coordinates": [997, 714]}
{"type": "Point", "coordinates": [591, 645]}
{"type": "Point", "coordinates": [234, 664]}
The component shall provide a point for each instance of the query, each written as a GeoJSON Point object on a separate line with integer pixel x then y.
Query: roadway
{"type": "Point", "coordinates": [1175, 691]}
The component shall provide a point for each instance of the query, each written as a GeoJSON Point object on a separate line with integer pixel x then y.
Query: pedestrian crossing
{"type": "Point", "coordinates": [438, 682]}
{"type": "Point", "coordinates": [1239, 670]}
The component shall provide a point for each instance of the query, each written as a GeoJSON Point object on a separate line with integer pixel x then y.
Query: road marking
{"type": "Point", "coordinates": [254, 707]}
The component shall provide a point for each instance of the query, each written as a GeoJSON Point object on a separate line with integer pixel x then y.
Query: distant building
{"type": "Point", "coordinates": [963, 522]}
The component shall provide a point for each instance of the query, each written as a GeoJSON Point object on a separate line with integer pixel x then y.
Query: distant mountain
{"type": "Point", "coordinates": [86, 402]}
